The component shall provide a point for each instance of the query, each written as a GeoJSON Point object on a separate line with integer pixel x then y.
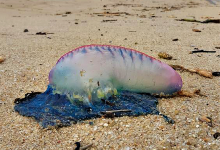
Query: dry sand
{"type": "Point", "coordinates": [148, 26]}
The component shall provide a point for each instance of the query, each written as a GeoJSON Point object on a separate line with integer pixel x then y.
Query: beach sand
{"type": "Point", "coordinates": [145, 25]}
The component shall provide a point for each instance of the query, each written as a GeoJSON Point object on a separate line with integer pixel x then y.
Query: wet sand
{"type": "Point", "coordinates": [147, 26]}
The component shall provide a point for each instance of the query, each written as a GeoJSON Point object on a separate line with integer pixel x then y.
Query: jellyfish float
{"type": "Point", "coordinates": [91, 80]}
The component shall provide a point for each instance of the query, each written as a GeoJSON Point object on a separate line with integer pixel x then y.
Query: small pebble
{"type": "Point", "coordinates": [216, 135]}
{"type": "Point", "coordinates": [175, 39]}
{"type": "Point", "coordinates": [164, 55]}
{"type": "Point", "coordinates": [105, 124]}
{"type": "Point", "coordinates": [204, 73]}
{"type": "Point", "coordinates": [95, 128]}
{"type": "Point", "coordinates": [176, 112]}
{"type": "Point", "coordinates": [216, 73]}
{"type": "Point", "coordinates": [109, 132]}
{"type": "Point", "coordinates": [196, 30]}
{"type": "Point", "coordinates": [204, 119]}
{"type": "Point", "coordinates": [127, 126]}
{"type": "Point", "coordinates": [26, 30]}
{"type": "Point", "coordinates": [127, 148]}
{"type": "Point", "coordinates": [205, 140]}
{"type": "Point", "coordinates": [2, 59]}
{"type": "Point", "coordinates": [161, 127]}
{"type": "Point", "coordinates": [68, 12]}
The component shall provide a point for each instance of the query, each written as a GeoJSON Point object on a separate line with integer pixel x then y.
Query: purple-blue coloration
{"type": "Point", "coordinates": [115, 68]}
{"type": "Point", "coordinates": [96, 78]}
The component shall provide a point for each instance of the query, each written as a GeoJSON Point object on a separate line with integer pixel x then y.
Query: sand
{"type": "Point", "coordinates": [146, 25]}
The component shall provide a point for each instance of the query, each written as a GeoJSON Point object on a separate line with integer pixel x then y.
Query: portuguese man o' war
{"type": "Point", "coordinates": [92, 79]}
